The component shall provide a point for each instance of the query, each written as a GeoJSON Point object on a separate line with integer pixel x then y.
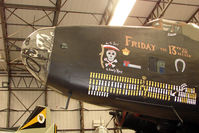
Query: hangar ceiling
{"type": "Point", "coordinates": [19, 18]}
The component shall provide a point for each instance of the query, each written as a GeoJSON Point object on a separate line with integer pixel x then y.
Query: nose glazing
{"type": "Point", "coordinates": [36, 52]}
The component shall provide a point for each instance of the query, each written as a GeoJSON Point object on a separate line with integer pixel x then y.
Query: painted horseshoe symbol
{"type": "Point", "coordinates": [176, 64]}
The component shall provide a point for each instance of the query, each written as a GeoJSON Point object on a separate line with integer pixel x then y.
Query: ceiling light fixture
{"type": "Point", "coordinates": [121, 12]}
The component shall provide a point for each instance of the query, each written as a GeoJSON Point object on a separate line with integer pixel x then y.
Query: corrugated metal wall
{"type": "Point", "coordinates": [3, 102]}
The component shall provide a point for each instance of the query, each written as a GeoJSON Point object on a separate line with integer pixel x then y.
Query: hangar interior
{"type": "Point", "coordinates": [20, 92]}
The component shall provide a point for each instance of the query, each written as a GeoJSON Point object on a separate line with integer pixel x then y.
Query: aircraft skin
{"type": "Point", "coordinates": [38, 122]}
{"type": "Point", "coordinates": [152, 71]}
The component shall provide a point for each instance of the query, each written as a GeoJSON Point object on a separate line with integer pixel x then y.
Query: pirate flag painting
{"type": "Point", "coordinates": [108, 57]}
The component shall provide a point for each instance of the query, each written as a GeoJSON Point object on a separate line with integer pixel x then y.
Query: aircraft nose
{"type": "Point", "coordinates": [36, 52]}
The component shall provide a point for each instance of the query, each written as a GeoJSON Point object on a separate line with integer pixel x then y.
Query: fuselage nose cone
{"type": "Point", "coordinates": [36, 51]}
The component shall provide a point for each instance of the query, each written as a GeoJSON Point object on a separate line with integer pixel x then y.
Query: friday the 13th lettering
{"type": "Point", "coordinates": [139, 44]}
{"type": "Point", "coordinates": [175, 50]}
{"type": "Point", "coordinates": [172, 49]}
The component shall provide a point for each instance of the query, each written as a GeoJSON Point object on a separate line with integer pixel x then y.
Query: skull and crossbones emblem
{"type": "Point", "coordinates": [111, 54]}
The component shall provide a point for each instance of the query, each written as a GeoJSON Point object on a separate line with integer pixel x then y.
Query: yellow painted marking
{"type": "Point", "coordinates": [102, 75]}
{"type": "Point", "coordinates": [135, 80]}
{"type": "Point", "coordinates": [89, 87]}
{"type": "Point", "coordinates": [117, 91]}
{"type": "Point", "coordinates": [194, 90]}
{"type": "Point", "coordinates": [129, 92]}
{"type": "Point", "coordinates": [152, 83]}
{"type": "Point", "coordinates": [117, 78]}
{"type": "Point", "coordinates": [106, 76]}
{"type": "Point", "coordinates": [102, 88]}
{"type": "Point", "coordinates": [114, 78]}
{"type": "Point", "coordinates": [155, 95]}
{"type": "Point", "coordinates": [90, 81]}
{"type": "Point", "coordinates": [105, 89]}
{"type": "Point", "coordinates": [147, 82]}
{"type": "Point", "coordinates": [91, 74]}
{"type": "Point", "coordinates": [108, 89]}
{"type": "Point", "coordinates": [34, 120]}
{"type": "Point", "coordinates": [147, 88]}
{"type": "Point", "coordinates": [190, 96]}
{"type": "Point", "coordinates": [113, 90]}
{"type": "Point", "coordinates": [123, 92]}
{"type": "Point", "coordinates": [109, 77]}
{"type": "Point", "coordinates": [168, 92]}
{"type": "Point", "coordinates": [122, 79]}
{"type": "Point", "coordinates": [163, 85]}
{"type": "Point", "coordinates": [143, 81]}
{"type": "Point", "coordinates": [96, 82]}
{"type": "Point", "coordinates": [93, 81]}
{"type": "Point", "coordinates": [142, 93]}
{"type": "Point", "coordinates": [137, 87]}
{"type": "Point", "coordinates": [171, 87]}
{"type": "Point", "coordinates": [143, 88]}
{"type": "Point", "coordinates": [96, 75]}
{"type": "Point", "coordinates": [127, 80]}
{"type": "Point", "coordinates": [120, 91]}
{"type": "Point", "coordinates": [185, 100]}
{"type": "Point", "coordinates": [158, 96]}
{"type": "Point", "coordinates": [168, 98]}
{"type": "Point", "coordinates": [99, 75]}
{"type": "Point", "coordinates": [138, 81]}
{"type": "Point", "coordinates": [160, 85]}
{"type": "Point", "coordinates": [132, 93]}
{"type": "Point", "coordinates": [155, 84]}
{"type": "Point", "coordinates": [195, 95]}
{"type": "Point", "coordinates": [127, 86]}
{"type": "Point", "coordinates": [186, 94]}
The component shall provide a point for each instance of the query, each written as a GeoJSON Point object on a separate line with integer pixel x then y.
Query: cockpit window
{"type": "Point", "coordinates": [171, 28]}
{"type": "Point", "coordinates": [166, 25]}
